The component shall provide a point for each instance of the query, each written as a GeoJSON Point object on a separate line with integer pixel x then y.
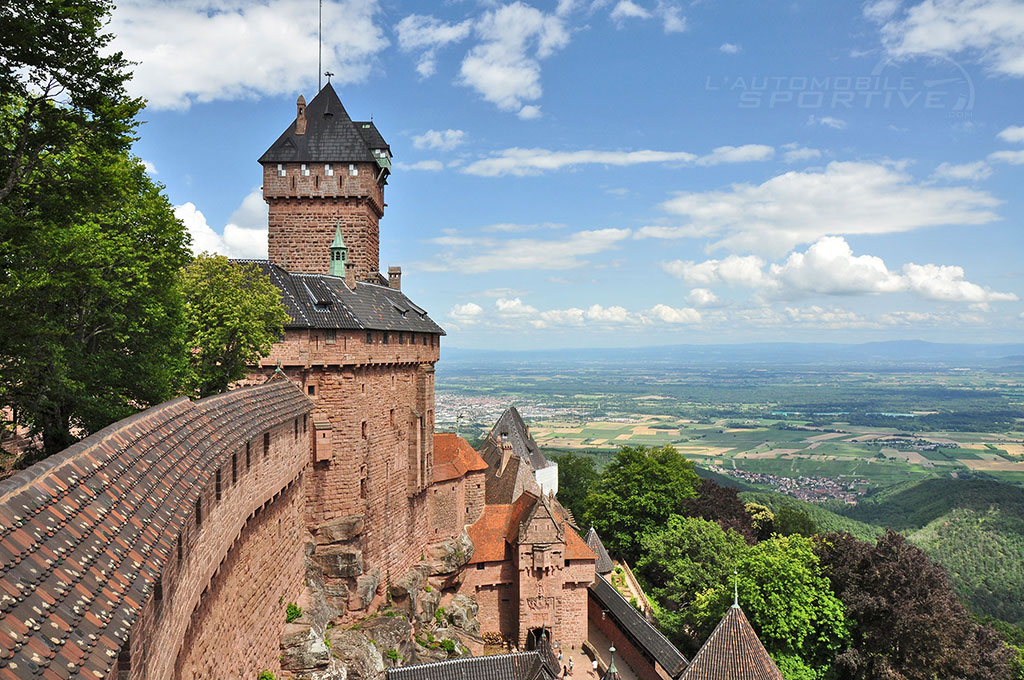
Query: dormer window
{"type": "Point", "coordinates": [305, 170]}
{"type": "Point", "coordinates": [353, 171]}
{"type": "Point", "coordinates": [328, 170]}
{"type": "Point", "coordinates": [280, 170]}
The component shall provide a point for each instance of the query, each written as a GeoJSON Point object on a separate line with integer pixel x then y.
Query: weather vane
{"type": "Point", "coordinates": [328, 74]}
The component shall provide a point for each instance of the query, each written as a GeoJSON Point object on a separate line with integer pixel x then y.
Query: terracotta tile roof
{"type": "Point", "coordinates": [488, 534]}
{"type": "Point", "coordinates": [732, 652]}
{"type": "Point", "coordinates": [576, 548]}
{"type": "Point", "coordinates": [638, 629]}
{"type": "Point", "coordinates": [85, 533]}
{"type": "Point", "coordinates": [454, 457]}
{"type": "Point", "coordinates": [516, 666]}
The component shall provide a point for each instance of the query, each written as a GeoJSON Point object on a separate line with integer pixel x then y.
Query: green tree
{"type": "Point", "coordinates": [233, 314]}
{"type": "Point", "coordinates": [681, 560]}
{"type": "Point", "coordinates": [637, 492]}
{"type": "Point", "coordinates": [576, 477]}
{"type": "Point", "coordinates": [790, 520]}
{"type": "Point", "coordinates": [762, 519]}
{"type": "Point", "coordinates": [788, 601]}
{"type": "Point", "coordinates": [88, 298]}
{"type": "Point", "coordinates": [60, 87]}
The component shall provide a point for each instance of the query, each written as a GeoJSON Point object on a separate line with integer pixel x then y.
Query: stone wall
{"type": "Point", "coordinates": [493, 585]}
{"type": "Point", "coordinates": [305, 209]}
{"type": "Point", "coordinates": [624, 647]}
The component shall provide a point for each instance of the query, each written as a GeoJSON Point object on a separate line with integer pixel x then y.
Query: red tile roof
{"type": "Point", "coordinates": [454, 457]}
{"type": "Point", "coordinates": [576, 548]}
{"type": "Point", "coordinates": [732, 652]}
{"type": "Point", "coordinates": [488, 534]}
{"type": "Point", "coordinates": [84, 534]}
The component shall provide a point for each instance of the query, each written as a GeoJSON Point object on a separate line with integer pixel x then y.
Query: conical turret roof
{"type": "Point", "coordinates": [732, 652]}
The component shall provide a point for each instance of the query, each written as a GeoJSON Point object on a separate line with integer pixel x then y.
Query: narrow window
{"type": "Point", "coordinates": [401, 338]}
{"type": "Point", "coordinates": [384, 337]}
{"type": "Point", "coordinates": [280, 170]}
{"type": "Point", "coordinates": [296, 428]}
{"type": "Point", "coordinates": [332, 336]}
{"type": "Point", "coordinates": [369, 337]}
{"type": "Point", "coordinates": [266, 444]}
{"type": "Point", "coordinates": [392, 417]}
{"type": "Point", "coordinates": [311, 390]}
{"type": "Point", "coordinates": [424, 340]}
{"type": "Point", "coordinates": [199, 511]}
{"type": "Point", "coordinates": [180, 539]}
{"type": "Point", "coordinates": [362, 481]}
{"type": "Point", "coordinates": [158, 591]}
{"type": "Point", "coordinates": [316, 181]}
{"type": "Point", "coordinates": [328, 170]}
{"type": "Point", "coordinates": [353, 171]}
{"type": "Point", "coordinates": [217, 485]}
{"type": "Point", "coordinates": [248, 458]}
{"type": "Point", "coordinates": [412, 338]}
{"type": "Point", "coordinates": [305, 170]}
{"type": "Point", "coordinates": [234, 469]}
{"type": "Point", "coordinates": [293, 181]}
{"type": "Point", "coordinates": [363, 428]}
{"type": "Point", "coordinates": [304, 424]}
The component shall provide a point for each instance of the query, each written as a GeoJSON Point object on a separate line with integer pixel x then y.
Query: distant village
{"type": "Point", "coordinates": [810, 489]}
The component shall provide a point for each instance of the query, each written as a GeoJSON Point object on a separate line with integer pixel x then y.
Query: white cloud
{"type": "Point", "coordinates": [512, 227]}
{"type": "Point", "coordinates": [796, 153]}
{"type": "Point", "coordinates": [529, 112]}
{"type": "Point", "coordinates": [829, 317]}
{"type": "Point", "coordinates": [1014, 133]}
{"type": "Point", "coordinates": [150, 168]}
{"type": "Point", "coordinates": [827, 121]}
{"type": "Point", "coordinates": [1012, 157]}
{"type": "Point", "coordinates": [734, 270]}
{"type": "Point", "coordinates": [505, 66]}
{"type": "Point", "coordinates": [466, 314]}
{"type": "Point", "coordinates": [701, 297]}
{"type": "Point", "coordinates": [993, 30]}
{"type": "Point", "coordinates": [428, 165]}
{"type": "Point", "coordinates": [522, 162]}
{"type": "Point", "coordinates": [843, 198]}
{"type": "Point", "coordinates": [428, 34]}
{"type": "Point", "coordinates": [442, 140]}
{"type": "Point", "coordinates": [475, 255]}
{"type": "Point", "coordinates": [880, 10]}
{"type": "Point", "coordinates": [674, 315]}
{"type": "Point", "coordinates": [626, 9]}
{"type": "Point", "coordinates": [829, 267]}
{"type": "Point", "coordinates": [672, 19]}
{"type": "Point", "coordinates": [657, 231]}
{"type": "Point", "coordinates": [208, 50]}
{"type": "Point", "coordinates": [245, 240]}
{"type": "Point", "coordinates": [977, 170]}
{"type": "Point", "coordinates": [514, 308]}
{"type": "Point", "coordinates": [730, 48]}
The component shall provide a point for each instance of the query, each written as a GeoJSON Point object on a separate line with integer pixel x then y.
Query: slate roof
{"type": "Point", "coordinates": [504, 486]}
{"type": "Point", "coordinates": [454, 457]}
{"type": "Point", "coordinates": [84, 534]}
{"type": "Point", "coordinates": [636, 627]}
{"type": "Point", "coordinates": [323, 301]}
{"type": "Point", "coordinates": [330, 137]}
{"type": "Point", "coordinates": [732, 652]}
{"type": "Point", "coordinates": [523, 445]}
{"type": "Point", "coordinates": [604, 560]}
{"type": "Point", "coordinates": [515, 666]}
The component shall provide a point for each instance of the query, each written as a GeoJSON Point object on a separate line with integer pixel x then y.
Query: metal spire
{"type": "Point", "coordinates": [735, 588]}
{"type": "Point", "coordinates": [611, 661]}
{"type": "Point", "coordinates": [319, 44]}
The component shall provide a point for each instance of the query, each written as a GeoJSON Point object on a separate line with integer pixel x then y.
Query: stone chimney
{"type": "Point", "coordinates": [395, 277]}
{"type": "Point", "coordinates": [300, 116]}
{"type": "Point", "coordinates": [350, 275]}
{"type": "Point", "coordinates": [506, 452]}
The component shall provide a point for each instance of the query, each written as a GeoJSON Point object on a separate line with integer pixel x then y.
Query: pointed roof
{"type": "Point", "coordinates": [454, 457]}
{"type": "Point", "coordinates": [732, 652]}
{"type": "Point", "coordinates": [330, 137]}
{"type": "Point", "coordinates": [604, 560]}
{"type": "Point", "coordinates": [339, 241]}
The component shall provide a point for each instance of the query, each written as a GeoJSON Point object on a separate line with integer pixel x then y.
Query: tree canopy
{"type": "Point", "coordinates": [233, 315]}
{"type": "Point", "coordinates": [636, 494]}
{"type": "Point", "coordinates": [576, 477]}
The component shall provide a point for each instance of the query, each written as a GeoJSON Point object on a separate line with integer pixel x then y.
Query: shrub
{"type": "Point", "coordinates": [393, 654]}
{"type": "Point", "coordinates": [292, 612]}
{"type": "Point", "coordinates": [265, 675]}
{"type": "Point", "coordinates": [448, 646]}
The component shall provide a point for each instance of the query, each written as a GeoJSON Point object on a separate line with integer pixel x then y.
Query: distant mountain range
{"type": "Point", "coordinates": [906, 352]}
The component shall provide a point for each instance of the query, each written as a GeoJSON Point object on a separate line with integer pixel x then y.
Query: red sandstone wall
{"type": "Point", "coordinates": [475, 488]}
{"type": "Point", "coordinates": [447, 509]}
{"type": "Point", "coordinates": [304, 211]}
{"type": "Point", "coordinates": [495, 590]}
{"type": "Point", "coordinates": [222, 590]}
{"type": "Point", "coordinates": [308, 348]}
{"type": "Point", "coordinates": [623, 646]}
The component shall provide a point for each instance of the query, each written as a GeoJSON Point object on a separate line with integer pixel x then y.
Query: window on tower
{"type": "Point", "coordinates": [280, 170]}
{"type": "Point", "coordinates": [328, 170]}
{"type": "Point", "coordinates": [353, 171]}
{"type": "Point", "coordinates": [305, 170]}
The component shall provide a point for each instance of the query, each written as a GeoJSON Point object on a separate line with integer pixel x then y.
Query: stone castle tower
{"type": "Point", "coordinates": [325, 170]}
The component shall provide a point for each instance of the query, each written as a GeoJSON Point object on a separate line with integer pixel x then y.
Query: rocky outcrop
{"type": "Point", "coordinates": [366, 590]}
{"type": "Point", "coordinates": [462, 613]}
{"type": "Point", "coordinates": [449, 556]}
{"type": "Point", "coordinates": [339, 561]}
{"type": "Point", "coordinates": [339, 530]}
{"type": "Point", "coordinates": [357, 653]}
{"type": "Point", "coordinates": [303, 651]}
{"type": "Point", "coordinates": [430, 600]}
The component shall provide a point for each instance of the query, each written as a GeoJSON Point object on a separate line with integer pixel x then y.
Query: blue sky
{"type": "Point", "coordinates": [631, 172]}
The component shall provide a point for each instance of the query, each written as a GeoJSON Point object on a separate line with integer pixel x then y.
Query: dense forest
{"type": "Point", "coordinates": [923, 580]}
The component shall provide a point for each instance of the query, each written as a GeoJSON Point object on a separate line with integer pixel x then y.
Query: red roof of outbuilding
{"type": "Point", "coordinates": [454, 457]}
{"type": "Point", "coordinates": [732, 652]}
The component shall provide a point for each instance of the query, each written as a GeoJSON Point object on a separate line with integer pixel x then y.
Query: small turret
{"type": "Point", "coordinates": [339, 253]}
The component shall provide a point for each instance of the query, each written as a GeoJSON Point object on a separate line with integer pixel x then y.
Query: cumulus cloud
{"type": "Point", "coordinates": [520, 162]}
{"type": "Point", "coordinates": [1014, 133]}
{"type": "Point", "coordinates": [991, 30]}
{"type": "Point", "coordinates": [729, 48]}
{"type": "Point", "coordinates": [829, 267]}
{"type": "Point", "coordinates": [670, 13]}
{"type": "Point", "coordinates": [1012, 157]}
{"type": "Point", "coordinates": [829, 317]}
{"type": "Point", "coordinates": [245, 235]}
{"type": "Point", "coordinates": [427, 34]}
{"type": "Point", "coordinates": [674, 315]}
{"type": "Point", "coordinates": [795, 153]}
{"type": "Point", "coordinates": [466, 314]}
{"type": "Point", "coordinates": [207, 50]}
{"type": "Point", "coordinates": [442, 140]}
{"type": "Point", "coordinates": [150, 168]}
{"type": "Point", "coordinates": [625, 9]}
{"type": "Point", "coordinates": [504, 68]}
{"type": "Point", "coordinates": [428, 165]}
{"type": "Point", "coordinates": [701, 297]}
{"type": "Point", "coordinates": [483, 254]}
{"type": "Point", "coordinates": [975, 171]}
{"type": "Point", "coordinates": [843, 198]}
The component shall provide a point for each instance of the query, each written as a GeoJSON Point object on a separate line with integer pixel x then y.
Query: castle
{"type": "Point", "coordinates": [167, 544]}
